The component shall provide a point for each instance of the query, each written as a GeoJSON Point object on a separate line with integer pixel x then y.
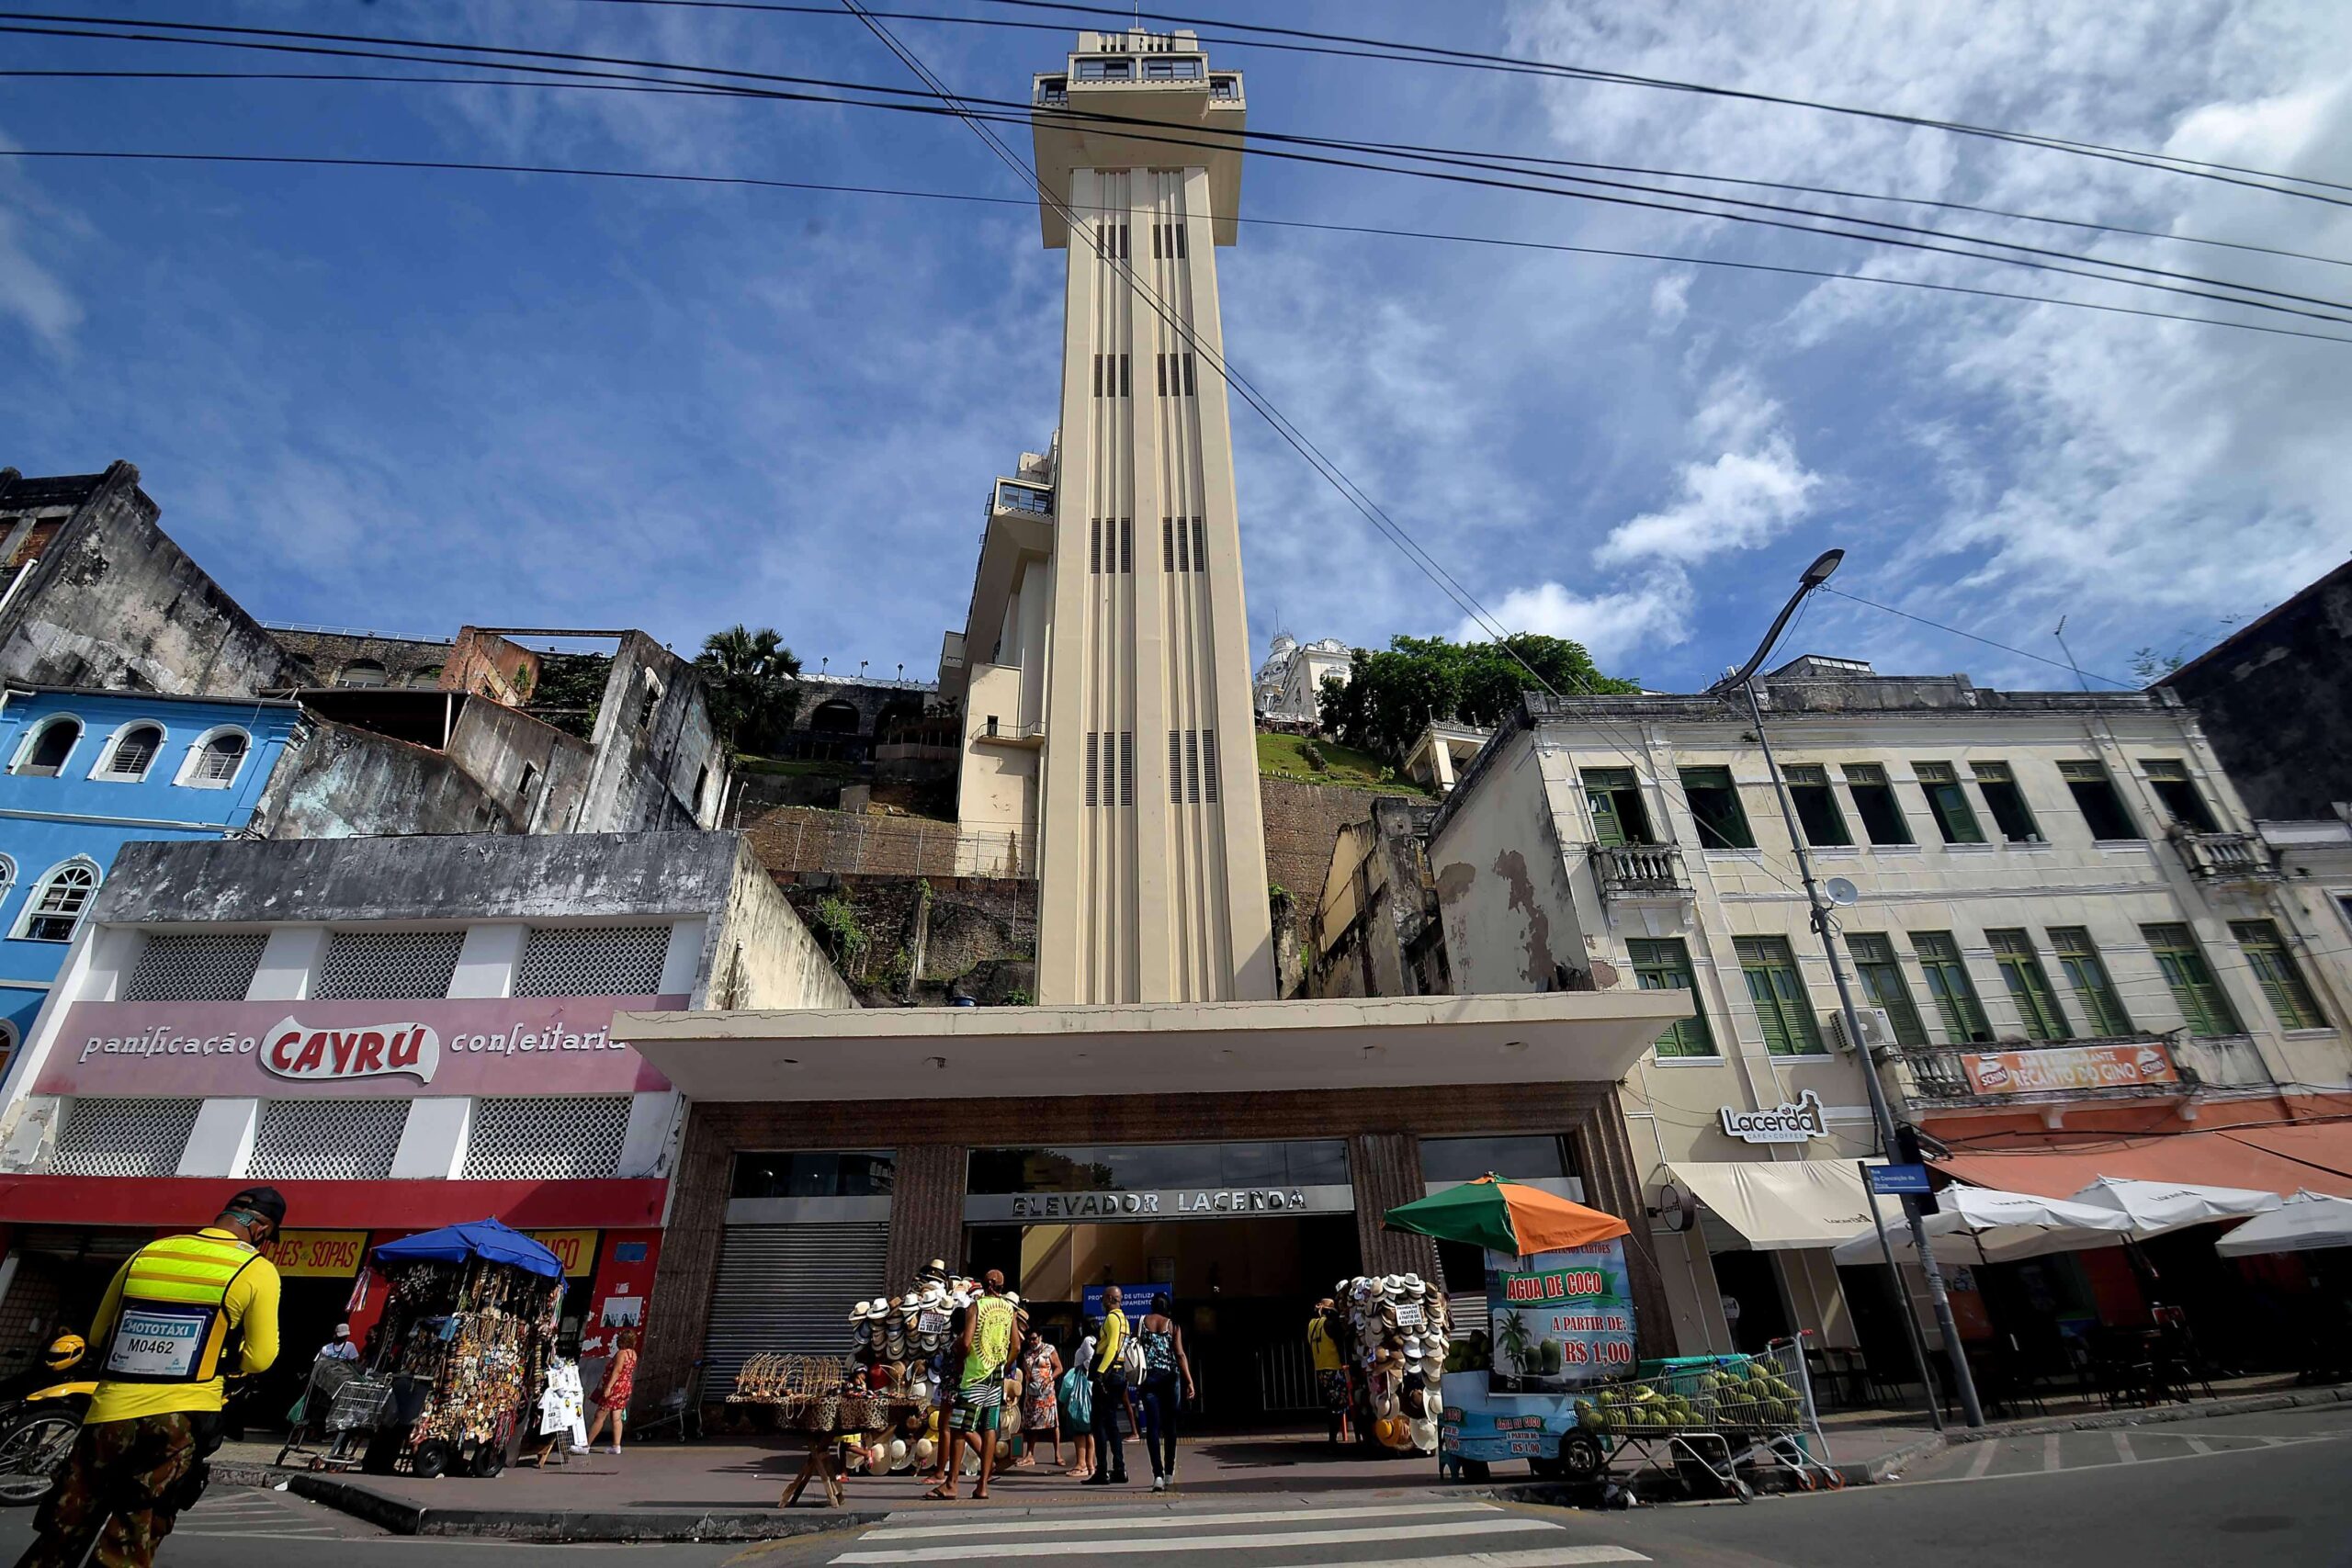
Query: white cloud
{"type": "Point", "coordinates": [1610, 625]}
{"type": "Point", "coordinates": [1744, 496]}
{"type": "Point", "coordinates": [1669, 301]}
{"type": "Point", "coordinates": [32, 294]}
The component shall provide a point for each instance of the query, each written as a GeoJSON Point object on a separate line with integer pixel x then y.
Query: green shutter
{"type": "Point", "coordinates": [1600, 786]}
{"type": "Point", "coordinates": [2086, 977]}
{"type": "Point", "coordinates": [2202, 1004]}
{"type": "Point", "coordinates": [1955, 818]}
{"type": "Point", "coordinates": [1664, 964]}
{"type": "Point", "coordinates": [1784, 1011]}
{"type": "Point", "coordinates": [1882, 983]}
{"type": "Point", "coordinates": [2029, 984]}
{"type": "Point", "coordinates": [1948, 985]}
{"type": "Point", "coordinates": [2274, 967]}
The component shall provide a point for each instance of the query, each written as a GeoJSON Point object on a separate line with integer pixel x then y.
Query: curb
{"type": "Point", "coordinates": [559, 1526]}
{"type": "Point", "coordinates": [1877, 1467]}
{"type": "Point", "coordinates": [2238, 1404]}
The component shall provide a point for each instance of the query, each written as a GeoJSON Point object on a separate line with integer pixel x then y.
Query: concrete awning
{"type": "Point", "coordinates": [1152, 1048]}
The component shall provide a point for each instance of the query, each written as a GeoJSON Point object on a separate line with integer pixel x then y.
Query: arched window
{"type": "Point", "coordinates": [46, 749]}
{"type": "Point", "coordinates": [838, 716]}
{"type": "Point", "coordinates": [361, 673]}
{"type": "Point", "coordinates": [428, 677]}
{"type": "Point", "coordinates": [216, 758]}
{"type": "Point", "coordinates": [54, 912]}
{"type": "Point", "coordinates": [133, 752]}
{"type": "Point", "coordinates": [8, 877]}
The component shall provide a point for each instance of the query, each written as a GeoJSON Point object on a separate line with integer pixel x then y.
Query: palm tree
{"type": "Point", "coordinates": [754, 686]}
{"type": "Point", "coordinates": [1515, 1343]}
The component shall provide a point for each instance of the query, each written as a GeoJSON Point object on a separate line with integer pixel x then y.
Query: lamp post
{"type": "Point", "coordinates": [1825, 927]}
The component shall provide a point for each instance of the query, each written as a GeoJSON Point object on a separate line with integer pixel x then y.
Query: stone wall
{"type": "Point", "coordinates": [927, 938]}
{"type": "Point", "coordinates": [326, 657]}
{"type": "Point", "coordinates": [1303, 823]}
{"type": "Point", "coordinates": [344, 782]}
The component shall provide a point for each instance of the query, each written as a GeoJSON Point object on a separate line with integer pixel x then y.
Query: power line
{"type": "Point", "coordinates": [658, 177]}
{"type": "Point", "coordinates": [1063, 28]}
{"type": "Point", "coordinates": [1025, 114]}
{"type": "Point", "coordinates": [1955, 631]}
{"type": "Point", "coordinates": [1476, 60]}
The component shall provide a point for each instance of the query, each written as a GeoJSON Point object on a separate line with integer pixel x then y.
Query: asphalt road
{"type": "Point", "coordinates": [2268, 1488]}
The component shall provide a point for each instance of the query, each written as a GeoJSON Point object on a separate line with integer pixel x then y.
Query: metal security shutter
{"type": "Point", "coordinates": [790, 1288]}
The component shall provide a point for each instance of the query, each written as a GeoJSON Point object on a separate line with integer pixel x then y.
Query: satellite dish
{"type": "Point", "coordinates": [1842, 892]}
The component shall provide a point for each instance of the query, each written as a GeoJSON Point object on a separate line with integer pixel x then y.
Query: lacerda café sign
{"type": "Point", "coordinates": [1783, 1123]}
{"type": "Point", "coordinates": [350, 1049]}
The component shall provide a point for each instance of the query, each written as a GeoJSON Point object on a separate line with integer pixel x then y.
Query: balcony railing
{"type": "Point", "coordinates": [2045, 1071]}
{"type": "Point", "coordinates": [2226, 857]}
{"type": "Point", "coordinates": [1640, 871]}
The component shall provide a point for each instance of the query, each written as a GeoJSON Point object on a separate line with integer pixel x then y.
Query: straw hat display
{"type": "Point", "coordinates": [1397, 1332]}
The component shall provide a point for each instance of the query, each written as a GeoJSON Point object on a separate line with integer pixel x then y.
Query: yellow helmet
{"type": "Point", "coordinates": [66, 1350]}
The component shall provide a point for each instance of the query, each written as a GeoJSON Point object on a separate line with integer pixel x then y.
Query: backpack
{"type": "Point", "coordinates": [1131, 1361]}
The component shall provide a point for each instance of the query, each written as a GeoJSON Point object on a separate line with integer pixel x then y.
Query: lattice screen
{"type": "Point", "coordinates": [202, 966]}
{"type": "Point", "coordinates": [592, 961]}
{"type": "Point", "coordinates": [327, 1140]}
{"type": "Point", "coordinates": [371, 964]}
{"type": "Point", "coordinates": [546, 1139]}
{"type": "Point", "coordinates": [125, 1138]}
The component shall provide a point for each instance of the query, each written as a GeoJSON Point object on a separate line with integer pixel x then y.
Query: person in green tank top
{"type": "Point", "coordinates": [986, 1346]}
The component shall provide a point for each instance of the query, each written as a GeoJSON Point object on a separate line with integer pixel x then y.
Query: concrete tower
{"type": "Point", "coordinates": [1152, 855]}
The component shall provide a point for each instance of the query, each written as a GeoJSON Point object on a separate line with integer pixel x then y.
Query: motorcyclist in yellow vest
{"type": "Point", "coordinates": [182, 1313]}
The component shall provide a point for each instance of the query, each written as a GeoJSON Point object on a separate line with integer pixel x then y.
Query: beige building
{"type": "Point", "coordinates": [2067, 930]}
{"type": "Point", "coordinates": [1289, 684]}
{"type": "Point", "coordinates": [1105, 661]}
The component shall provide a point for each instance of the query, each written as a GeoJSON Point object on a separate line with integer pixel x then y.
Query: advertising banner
{"type": "Point", "coordinates": [317, 1254]}
{"type": "Point", "coordinates": [1561, 1319]}
{"type": "Point", "coordinates": [2068, 1067]}
{"type": "Point", "coordinates": [350, 1050]}
{"type": "Point", "coordinates": [576, 1250]}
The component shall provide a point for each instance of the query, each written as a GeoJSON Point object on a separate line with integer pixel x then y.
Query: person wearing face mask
{"type": "Point", "coordinates": [180, 1315]}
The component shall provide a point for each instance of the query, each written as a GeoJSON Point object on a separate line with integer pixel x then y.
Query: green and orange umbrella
{"type": "Point", "coordinates": [1506, 1216]}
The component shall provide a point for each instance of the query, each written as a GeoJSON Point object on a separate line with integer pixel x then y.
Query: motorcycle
{"type": "Point", "coordinates": [39, 1422]}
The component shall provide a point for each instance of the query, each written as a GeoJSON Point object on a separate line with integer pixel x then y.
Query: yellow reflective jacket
{"type": "Point", "coordinates": [167, 1317]}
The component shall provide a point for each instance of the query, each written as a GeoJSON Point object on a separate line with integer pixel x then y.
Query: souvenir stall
{"type": "Point", "coordinates": [460, 1353]}
{"type": "Point", "coordinates": [876, 1409]}
{"type": "Point", "coordinates": [1394, 1336]}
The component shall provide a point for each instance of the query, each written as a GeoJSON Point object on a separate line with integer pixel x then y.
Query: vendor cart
{"type": "Point", "coordinates": [460, 1354]}
{"type": "Point", "coordinates": [1711, 1423]}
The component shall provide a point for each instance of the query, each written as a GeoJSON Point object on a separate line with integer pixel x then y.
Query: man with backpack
{"type": "Point", "coordinates": [1111, 1378]}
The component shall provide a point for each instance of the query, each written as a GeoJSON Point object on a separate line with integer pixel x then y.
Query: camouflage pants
{"type": "Point", "coordinates": [123, 1485]}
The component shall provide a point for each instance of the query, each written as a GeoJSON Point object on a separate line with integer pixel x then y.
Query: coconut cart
{"type": "Point", "coordinates": [1561, 1319]}
{"type": "Point", "coordinates": [460, 1353]}
{"type": "Point", "coordinates": [1713, 1424]}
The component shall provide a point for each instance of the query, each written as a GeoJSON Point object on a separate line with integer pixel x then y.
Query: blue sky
{"type": "Point", "coordinates": [404, 399]}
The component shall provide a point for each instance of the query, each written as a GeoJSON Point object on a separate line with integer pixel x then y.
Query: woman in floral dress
{"type": "Point", "coordinates": [1041, 1415]}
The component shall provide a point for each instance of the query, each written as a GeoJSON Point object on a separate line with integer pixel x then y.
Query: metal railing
{"type": "Point", "coordinates": [2226, 857]}
{"type": "Point", "coordinates": [808, 838]}
{"type": "Point", "coordinates": [2145, 1066]}
{"type": "Point", "coordinates": [1640, 871]}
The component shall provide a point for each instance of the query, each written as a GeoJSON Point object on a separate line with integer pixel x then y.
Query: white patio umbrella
{"type": "Point", "coordinates": [2155, 1207]}
{"type": "Point", "coordinates": [2305, 1223]}
{"type": "Point", "coordinates": [1978, 1224]}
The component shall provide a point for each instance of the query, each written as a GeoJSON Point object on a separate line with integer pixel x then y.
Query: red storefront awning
{"type": "Point", "coordinates": [2280, 1159]}
{"type": "Point", "coordinates": [164, 1203]}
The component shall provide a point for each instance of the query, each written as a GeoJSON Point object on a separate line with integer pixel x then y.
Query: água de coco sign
{"type": "Point", "coordinates": [1561, 1319]}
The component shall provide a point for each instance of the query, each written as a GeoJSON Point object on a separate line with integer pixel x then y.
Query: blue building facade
{"type": "Point", "coordinates": [88, 771]}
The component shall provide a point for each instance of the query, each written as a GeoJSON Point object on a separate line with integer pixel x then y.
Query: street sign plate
{"type": "Point", "coordinates": [1891, 1180]}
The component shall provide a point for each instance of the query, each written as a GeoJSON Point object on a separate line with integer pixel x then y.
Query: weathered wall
{"type": "Point", "coordinates": [1503, 886]}
{"type": "Point", "coordinates": [345, 783]}
{"type": "Point", "coordinates": [325, 656]}
{"type": "Point", "coordinates": [493, 743]}
{"type": "Point", "coordinates": [114, 602]}
{"type": "Point", "coordinates": [421, 876]}
{"type": "Point", "coordinates": [761, 955]}
{"type": "Point", "coordinates": [658, 766]}
{"type": "Point", "coordinates": [975, 934]}
{"type": "Point", "coordinates": [2276, 701]}
{"type": "Point", "coordinates": [1303, 823]}
{"type": "Point", "coordinates": [1379, 909]}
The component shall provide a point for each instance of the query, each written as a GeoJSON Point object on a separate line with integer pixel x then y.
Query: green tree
{"type": "Point", "coordinates": [754, 686]}
{"type": "Point", "coordinates": [1389, 695]}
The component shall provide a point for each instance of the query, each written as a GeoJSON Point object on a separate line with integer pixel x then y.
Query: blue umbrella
{"type": "Point", "coordinates": [485, 1239]}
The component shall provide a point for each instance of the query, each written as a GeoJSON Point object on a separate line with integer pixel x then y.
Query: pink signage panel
{"type": "Point", "coordinates": [346, 1050]}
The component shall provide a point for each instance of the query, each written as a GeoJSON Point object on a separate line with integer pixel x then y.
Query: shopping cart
{"type": "Point", "coordinates": [1711, 1423]}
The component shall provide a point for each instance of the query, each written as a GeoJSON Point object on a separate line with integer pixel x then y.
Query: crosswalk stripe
{"type": "Point", "coordinates": [1983, 1461]}
{"type": "Point", "coordinates": [2049, 1452]}
{"type": "Point", "coordinates": [1541, 1557]}
{"type": "Point", "coordinates": [959, 1551]}
{"type": "Point", "coordinates": [2123, 1454]}
{"type": "Point", "coordinates": [1169, 1521]}
{"type": "Point", "coordinates": [2199, 1445]}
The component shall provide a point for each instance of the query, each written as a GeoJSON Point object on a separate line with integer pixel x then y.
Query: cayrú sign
{"type": "Point", "coordinates": [1782, 1123]}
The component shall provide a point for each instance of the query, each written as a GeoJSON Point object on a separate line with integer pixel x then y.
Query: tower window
{"type": "Point", "coordinates": [1208, 761]}
{"type": "Point", "coordinates": [1175, 767]}
{"type": "Point", "coordinates": [1094, 548]}
{"type": "Point", "coordinates": [1127, 767]}
{"type": "Point", "coordinates": [1193, 765]}
{"type": "Point", "coordinates": [1168, 550]}
{"type": "Point", "coordinates": [1187, 375]}
{"type": "Point", "coordinates": [1127, 387]}
{"type": "Point", "coordinates": [1127, 543]}
{"type": "Point", "coordinates": [1200, 545]}
{"type": "Point", "coordinates": [1094, 778]}
{"type": "Point", "coordinates": [1183, 555]}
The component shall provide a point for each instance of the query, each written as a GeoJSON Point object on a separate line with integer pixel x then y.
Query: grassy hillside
{"type": "Point", "coordinates": [1285, 757]}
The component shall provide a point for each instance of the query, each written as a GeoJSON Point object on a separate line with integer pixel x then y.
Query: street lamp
{"type": "Point", "coordinates": [1826, 927]}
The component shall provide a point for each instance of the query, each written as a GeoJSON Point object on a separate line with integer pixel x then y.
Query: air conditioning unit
{"type": "Point", "coordinates": [1878, 1030]}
